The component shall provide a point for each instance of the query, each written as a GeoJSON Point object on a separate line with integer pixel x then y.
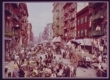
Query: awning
{"type": "Point", "coordinates": [69, 44]}
{"type": "Point", "coordinates": [57, 39]}
{"type": "Point", "coordinates": [6, 38]}
{"type": "Point", "coordinates": [87, 42]}
{"type": "Point", "coordinates": [75, 42]}
{"type": "Point", "coordinates": [54, 39]}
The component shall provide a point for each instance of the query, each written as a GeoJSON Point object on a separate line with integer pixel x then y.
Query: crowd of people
{"type": "Point", "coordinates": [27, 63]}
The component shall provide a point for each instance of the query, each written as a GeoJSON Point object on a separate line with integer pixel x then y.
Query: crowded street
{"type": "Point", "coordinates": [38, 60]}
{"type": "Point", "coordinates": [58, 40]}
{"type": "Point", "coordinates": [80, 70]}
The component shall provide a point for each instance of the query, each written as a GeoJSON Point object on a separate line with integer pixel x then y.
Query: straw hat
{"type": "Point", "coordinates": [15, 66]}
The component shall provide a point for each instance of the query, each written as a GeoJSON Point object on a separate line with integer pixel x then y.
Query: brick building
{"type": "Point", "coordinates": [15, 22]}
{"type": "Point", "coordinates": [57, 25]}
{"type": "Point", "coordinates": [83, 23]}
{"type": "Point", "coordinates": [11, 21]}
{"type": "Point", "coordinates": [98, 23]}
{"type": "Point", "coordinates": [69, 19]}
{"type": "Point", "coordinates": [23, 23]}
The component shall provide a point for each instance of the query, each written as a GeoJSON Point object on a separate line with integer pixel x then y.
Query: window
{"type": "Point", "coordinates": [57, 10]}
{"type": "Point", "coordinates": [85, 19]}
{"type": "Point", "coordinates": [78, 22]}
{"type": "Point", "coordinates": [81, 33]}
{"type": "Point", "coordinates": [82, 20]}
{"type": "Point", "coordinates": [73, 24]}
{"type": "Point", "coordinates": [105, 12]}
{"type": "Point", "coordinates": [16, 33]}
{"type": "Point", "coordinates": [85, 32]}
{"type": "Point", "coordinates": [78, 34]}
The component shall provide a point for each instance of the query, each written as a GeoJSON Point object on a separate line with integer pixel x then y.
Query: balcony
{"type": "Point", "coordinates": [72, 8]}
{"type": "Point", "coordinates": [96, 33]}
{"type": "Point", "coordinates": [65, 5]}
{"type": "Point", "coordinates": [66, 11]}
{"type": "Point", "coordinates": [65, 14]}
{"type": "Point", "coordinates": [98, 20]}
{"type": "Point", "coordinates": [72, 18]}
{"type": "Point", "coordinates": [9, 34]}
{"type": "Point", "coordinates": [65, 30]}
{"type": "Point", "coordinates": [66, 20]}
{"type": "Point", "coordinates": [16, 27]}
{"type": "Point", "coordinates": [16, 33]}
{"type": "Point", "coordinates": [98, 15]}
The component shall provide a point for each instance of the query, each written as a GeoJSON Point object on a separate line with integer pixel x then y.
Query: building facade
{"type": "Point", "coordinates": [15, 22]}
{"type": "Point", "coordinates": [40, 38]}
{"type": "Point", "coordinates": [57, 19]}
{"type": "Point", "coordinates": [32, 37]}
{"type": "Point", "coordinates": [50, 31]}
{"type": "Point", "coordinates": [64, 20]}
{"type": "Point", "coordinates": [83, 23]}
{"type": "Point", "coordinates": [23, 23]}
{"type": "Point", "coordinates": [98, 22]}
{"type": "Point", "coordinates": [29, 33]}
{"type": "Point", "coordinates": [11, 23]}
{"type": "Point", "coordinates": [69, 18]}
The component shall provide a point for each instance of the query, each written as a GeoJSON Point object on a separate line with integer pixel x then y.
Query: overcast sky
{"type": "Point", "coordinates": [40, 14]}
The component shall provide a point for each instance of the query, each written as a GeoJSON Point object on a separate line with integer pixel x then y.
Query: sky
{"type": "Point", "coordinates": [81, 5]}
{"type": "Point", "coordinates": [40, 14]}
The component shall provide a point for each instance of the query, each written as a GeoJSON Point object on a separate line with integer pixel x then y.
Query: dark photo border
{"type": "Point", "coordinates": [2, 38]}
